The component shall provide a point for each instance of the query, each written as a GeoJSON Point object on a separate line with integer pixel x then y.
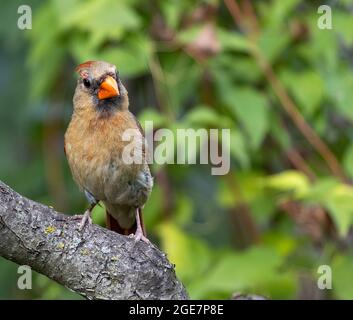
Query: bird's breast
{"type": "Point", "coordinates": [94, 147]}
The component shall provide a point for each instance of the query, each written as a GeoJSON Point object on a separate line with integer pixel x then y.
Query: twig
{"type": "Point", "coordinates": [297, 160]}
{"type": "Point", "coordinates": [234, 10]}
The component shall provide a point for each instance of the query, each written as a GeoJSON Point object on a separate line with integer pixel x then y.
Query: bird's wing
{"type": "Point", "coordinates": [138, 125]}
{"type": "Point", "coordinates": [142, 133]}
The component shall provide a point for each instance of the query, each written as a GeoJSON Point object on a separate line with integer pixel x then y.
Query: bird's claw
{"type": "Point", "coordinates": [85, 218]}
{"type": "Point", "coordinates": [140, 236]}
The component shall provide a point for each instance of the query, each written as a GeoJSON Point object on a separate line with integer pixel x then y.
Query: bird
{"type": "Point", "coordinates": [95, 148]}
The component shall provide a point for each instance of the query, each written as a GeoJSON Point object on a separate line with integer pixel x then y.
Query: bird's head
{"type": "Point", "coordinates": [100, 87]}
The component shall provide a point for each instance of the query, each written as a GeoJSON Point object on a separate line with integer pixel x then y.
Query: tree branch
{"type": "Point", "coordinates": [96, 263]}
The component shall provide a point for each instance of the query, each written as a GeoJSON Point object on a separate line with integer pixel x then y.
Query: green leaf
{"type": "Point", "coordinates": [205, 116]}
{"type": "Point", "coordinates": [97, 16]}
{"type": "Point", "coordinates": [184, 209]}
{"type": "Point", "coordinates": [251, 191]}
{"type": "Point", "coordinates": [321, 190]}
{"type": "Point", "coordinates": [339, 86]}
{"type": "Point", "coordinates": [171, 13]}
{"type": "Point", "coordinates": [131, 58]}
{"type": "Point", "coordinates": [126, 60]}
{"type": "Point", "coordinates": [239, 271]}
{"type": "Point", "coordinates": [238, 148]}
{"type": "Point", "coordinates": [159, 119]}
{"type": "Point", "coordinates": [277, 132]}
{"type": "Point", "coordinates": [233, 41]}
{"type": "Point", "coordinates": [284, 243]}
{"type": "Point", "coordinates": [342, 277]}
{"type": "Point", "coordinates": [321, 55]}
{"type": "Point", "coordinates": [342, 22]}
{"type": "Point", "coordinates": [307, 88]}
{"type": "Point", "coordinates": [176, 69]}
{"type": "Point", "coordinates": [251, 108]}
{"type": "Point", "coordinates": [190, 255]}
{"type": "Point", "coordinates": [98, 214]}
{"type": "Point", "coordinates": [336, 197]}
{"type": "Point", "coordinates": [152, 211]}
{"type": "Point", "coordinates": [45, 60]}
{"type": "Point", "coordinates": [348, 161]}
{"type": "Point", "coordinates": [273, 42]}
{"type": "Point", "coordinates": [189, 35]}
{"type": "Point", "coordinates": [279, 12]}
{"type": "Point", "coordinates": [289, 181]}
{"type": "Point", "coordinates": [240, 68]}
{"type": "Point", "coordinates": [340, 204]}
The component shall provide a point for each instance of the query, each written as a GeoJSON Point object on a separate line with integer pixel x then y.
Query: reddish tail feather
{"type": "Point", "coordinates": [113, 224]}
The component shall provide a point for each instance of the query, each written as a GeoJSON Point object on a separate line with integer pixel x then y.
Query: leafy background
{"type": "Point", "coordinates": [282, 85]}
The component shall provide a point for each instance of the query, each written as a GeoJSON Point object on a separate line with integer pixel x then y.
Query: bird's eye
{"type": "Point", "coordinates": [86, 83]}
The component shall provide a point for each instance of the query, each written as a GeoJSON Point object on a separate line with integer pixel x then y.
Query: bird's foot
{"type": "Point", "coordinates": [140, 236]}
{"type": "Point", "coordinates": [85, 218]}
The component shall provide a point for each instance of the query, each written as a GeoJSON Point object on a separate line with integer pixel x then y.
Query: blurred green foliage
{"type": "Point", "coordinates": [280, 213]}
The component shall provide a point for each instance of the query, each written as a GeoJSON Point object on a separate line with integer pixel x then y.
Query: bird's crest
{"type": "Point", "coordinates": [81, 68]}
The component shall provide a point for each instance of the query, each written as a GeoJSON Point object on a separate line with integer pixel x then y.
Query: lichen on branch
{"type": "Point", "coordinates": [96, 263]}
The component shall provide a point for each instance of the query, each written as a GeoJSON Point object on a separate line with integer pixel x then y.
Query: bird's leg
{"type": "Point", "coordinates": [139, 232]}
{"type": "Point", "coordinates": [86, 217]}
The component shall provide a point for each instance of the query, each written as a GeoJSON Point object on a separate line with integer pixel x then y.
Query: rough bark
{"type": "Point", "coordinates": [96, 263]}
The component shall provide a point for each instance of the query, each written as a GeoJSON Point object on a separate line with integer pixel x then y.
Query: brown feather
{"type": "Point", "coordinates": [84, 65]}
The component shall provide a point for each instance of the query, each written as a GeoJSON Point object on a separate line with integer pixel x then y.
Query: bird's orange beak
{"type": "Point", "coordinates": [108, 89]}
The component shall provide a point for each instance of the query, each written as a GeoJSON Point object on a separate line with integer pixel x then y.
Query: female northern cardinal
{"type": "Point", "coordinates": [94, 148]}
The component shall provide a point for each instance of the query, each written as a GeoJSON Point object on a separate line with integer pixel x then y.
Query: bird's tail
{"type": "Point", "coordinates": [113, 224]}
